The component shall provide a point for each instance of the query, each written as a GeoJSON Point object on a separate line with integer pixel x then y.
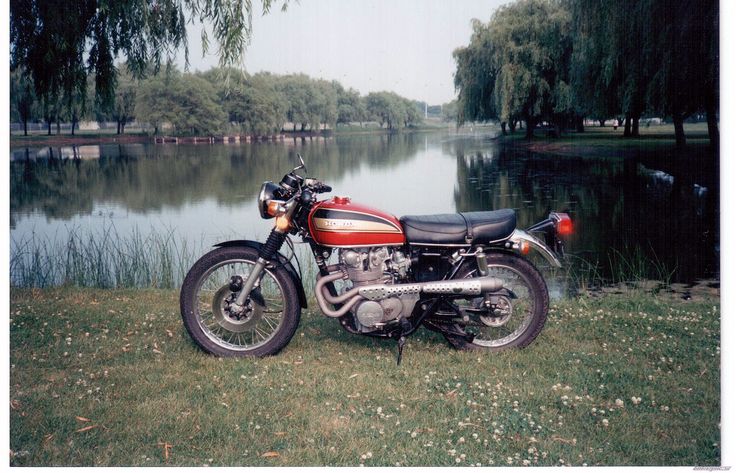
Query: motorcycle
{"type": "Point", "coordinates": [465, 275]}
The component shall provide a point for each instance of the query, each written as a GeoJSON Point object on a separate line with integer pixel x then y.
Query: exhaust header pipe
{"type": "Point", "coordinates": [376, 292]}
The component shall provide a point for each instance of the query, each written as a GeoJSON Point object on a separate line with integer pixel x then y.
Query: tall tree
{"type": "Point", "coordinates": [23, 98]}
{"type": "Point", "coordinates": [686, 77]}
{"type": "Point", "coordinates": [186, 102]}
{"type": "Point", "coordinates": [59, 43]}
{"type": "Point", "coordinates": [521, 59]}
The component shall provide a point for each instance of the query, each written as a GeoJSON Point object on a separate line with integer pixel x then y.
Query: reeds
{"type": "Point", "coordinates": [102, 259]}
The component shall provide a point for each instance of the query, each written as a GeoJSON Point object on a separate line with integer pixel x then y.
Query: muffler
{"type": "Point", "coordinates": [463, 287]}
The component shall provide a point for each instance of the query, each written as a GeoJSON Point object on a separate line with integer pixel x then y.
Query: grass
{"type": "Point", "coordinates": [609, 143]}
{"type": "Point", "coordinates": [109, 377]}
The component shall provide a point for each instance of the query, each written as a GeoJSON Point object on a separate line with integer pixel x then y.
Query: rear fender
{"type": "Point", "coordinates": [282, 261]}
{"type": "Point", "coordinates": [519, 237]}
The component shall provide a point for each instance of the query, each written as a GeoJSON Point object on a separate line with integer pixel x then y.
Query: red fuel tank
{"type": "Point", "coordinates": [341, 223]}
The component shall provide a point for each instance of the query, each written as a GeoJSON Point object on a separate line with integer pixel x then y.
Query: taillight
{"type": "Point", "coordinates": [563, 223]}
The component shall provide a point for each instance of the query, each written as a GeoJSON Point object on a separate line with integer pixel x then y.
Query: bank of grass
{"type": "Point", "coordinates": [109, 377]}
{"type": "Point", "coordinates": [609, 142]}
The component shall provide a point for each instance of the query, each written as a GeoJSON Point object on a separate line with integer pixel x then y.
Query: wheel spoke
{"type": "Point", "coordinates": [257, 325]}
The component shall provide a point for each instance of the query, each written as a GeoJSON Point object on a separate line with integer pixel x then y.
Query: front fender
{"type": "Point", "coordinates": [282, 261]}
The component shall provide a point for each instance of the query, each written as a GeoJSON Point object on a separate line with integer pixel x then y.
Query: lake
{"type": "Point", "coordinates": [627, 212]}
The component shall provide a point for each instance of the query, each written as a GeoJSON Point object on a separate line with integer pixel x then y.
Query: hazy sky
{"type": "Point", "coordinates": [403, 46]}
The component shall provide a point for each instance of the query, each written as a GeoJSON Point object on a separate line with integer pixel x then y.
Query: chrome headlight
{"type": "Point", "coordinates": [269, 191]}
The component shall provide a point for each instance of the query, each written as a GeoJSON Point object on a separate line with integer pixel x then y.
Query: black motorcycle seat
{"type": "Point", "coordinates": [459, 228]}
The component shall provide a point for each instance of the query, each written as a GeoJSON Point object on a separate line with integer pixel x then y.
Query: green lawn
{"type": "Point", "coordinates": [109, 377]}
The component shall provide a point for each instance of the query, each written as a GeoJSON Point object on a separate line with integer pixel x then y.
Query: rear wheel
{"type": "Point", "coordinates": [264, 325]}
{"type": "Point", "coordinates": [510, 318]}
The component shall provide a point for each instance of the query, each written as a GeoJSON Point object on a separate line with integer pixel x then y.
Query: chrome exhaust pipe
{"type": "Point", "coordinates": [462, 287]}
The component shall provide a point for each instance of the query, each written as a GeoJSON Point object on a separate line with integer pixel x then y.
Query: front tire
{"type": "Point", "coordinates": [522, 306]}
{"type": "Point", "coordinates": [269, 320]}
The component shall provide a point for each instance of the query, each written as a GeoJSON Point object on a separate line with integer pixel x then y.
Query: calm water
{"type": "Point", "coordinates": [206, 193]}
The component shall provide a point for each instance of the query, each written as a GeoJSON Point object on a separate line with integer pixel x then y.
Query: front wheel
{"type": "Point", "coordinates": [510, 318]}
{"type": "Point", "coordinates": [262, 327]}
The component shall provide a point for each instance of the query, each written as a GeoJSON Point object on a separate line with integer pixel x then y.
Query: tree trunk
{"type": "Point", "coordinates": [118, 126]}
{"type": "Point", "coordinates": [503, 128]}
{"type": "Point", "coordinates": [512, 126]}
{"type": "Point", "coordinates": [580, 124]}
{"type": "Point", "coordinates": [678, 121]}
{"type": "Point", "coordinates": [627, 127]}
{"type": "Point", "coordinates": [710, 114]}
{"type": "Point", "coordinates": [25, 127]}
{"type": "Point", "coordinates": [74, 123]}
{"type": "Point", "coordinates": [58, 125]}
{"type": "Point", "coordinates": [530, 124]}
{"type": "Point", "coordinates": [48, 124]}
{"type": "Point", "coordinates": [635, 124]}
{"type": "Point", "coordinates": [602, 123]}
{"type": "Point", "coordinates": [122, 127]}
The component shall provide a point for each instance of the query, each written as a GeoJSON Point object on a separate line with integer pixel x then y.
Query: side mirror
{"type": "Point", "coordinates": [301, 163]}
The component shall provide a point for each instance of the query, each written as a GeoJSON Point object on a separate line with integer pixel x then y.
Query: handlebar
{"type": "Point", "coordinates": [317, 186]}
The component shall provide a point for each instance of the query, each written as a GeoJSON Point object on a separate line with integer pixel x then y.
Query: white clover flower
{"type": "Point", "coordinates": [619, 403]}
{"type": "Point", "coordinates": [605, 422]}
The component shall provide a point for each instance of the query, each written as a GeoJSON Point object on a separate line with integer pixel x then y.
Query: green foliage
{"type": "Point", "coordinates": [557, 59]}
{"type": "Point", "coordinates": [23, 102]}
{"type": "Point", "coordinates": [59, 43]}
{"type": "Point", "coordinates": [392, 110]}
{"type": "Point", "coordinates": [516, 65]}
{"type": "Point", "coordinates": [186, 102]}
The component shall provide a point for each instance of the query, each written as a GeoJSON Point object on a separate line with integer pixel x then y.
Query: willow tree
{"type": "Point", "coordinates": [686, 77]}
{"type": "Point", "coordinates": [60, 43]}
{"type": "Point", "coordinates": [187, 102]}
{"type": "Point", "coordinates": [517, 65]}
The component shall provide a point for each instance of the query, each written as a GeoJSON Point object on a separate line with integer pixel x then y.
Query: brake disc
{"type": "Point", "coordinates": [237, 323]}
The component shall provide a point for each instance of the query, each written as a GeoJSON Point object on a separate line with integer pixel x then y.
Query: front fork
{"type": "Point", "coordinates": [269, 250]}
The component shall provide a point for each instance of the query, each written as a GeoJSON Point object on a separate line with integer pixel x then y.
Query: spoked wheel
{"type": "Point", "coordinates": [262, 327]}
{"type": "Point", "coordinates": [511, 317]}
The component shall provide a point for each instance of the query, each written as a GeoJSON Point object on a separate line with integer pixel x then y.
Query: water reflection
{"type": "Point", "coordinates": [619, 207]}
{"type": "Point", "coordinates": [622, 210]}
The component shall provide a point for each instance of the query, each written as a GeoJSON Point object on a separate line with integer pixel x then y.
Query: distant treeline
{"type": "Point", "coordinates": [216, 101]}
{"type": "Point", "coordinates": [560, 61]}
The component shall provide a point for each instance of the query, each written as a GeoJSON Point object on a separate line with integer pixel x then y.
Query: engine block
{"type": "Point", "coordinates": [381, 265]}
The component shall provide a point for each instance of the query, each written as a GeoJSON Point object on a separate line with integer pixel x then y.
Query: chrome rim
{"type": "Point", "coordinates": [515, 305]}
{"type": "Point", "coordinates": [262, 318]}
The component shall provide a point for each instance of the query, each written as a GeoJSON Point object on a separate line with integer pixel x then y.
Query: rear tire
{"type": "Point", "coordinates": [528, 309]}
{"type": "Point", "coordinates": [273, 309]}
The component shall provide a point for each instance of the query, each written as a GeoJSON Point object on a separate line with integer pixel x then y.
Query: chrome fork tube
{"type": "Point", "coordinates": [249, 283]}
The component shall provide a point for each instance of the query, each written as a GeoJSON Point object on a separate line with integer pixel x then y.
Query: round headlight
{"type": "Point", "coordinates": [268, 191]}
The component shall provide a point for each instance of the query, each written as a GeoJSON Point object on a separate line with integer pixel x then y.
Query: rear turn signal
{"type": "Point", "coordinates": [563, 223]}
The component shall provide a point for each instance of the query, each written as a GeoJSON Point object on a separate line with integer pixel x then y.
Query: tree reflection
{"type": "Point", "coordinates": [621, 210]}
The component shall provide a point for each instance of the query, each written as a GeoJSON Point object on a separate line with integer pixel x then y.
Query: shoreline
{"type": "Point", "coordinates": [42, 140]}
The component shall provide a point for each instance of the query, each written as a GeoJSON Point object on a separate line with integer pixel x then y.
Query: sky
{"type": "Point", "coordinates": [370, 45]}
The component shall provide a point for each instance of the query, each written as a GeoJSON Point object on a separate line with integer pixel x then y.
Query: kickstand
{"type": "Point", "coordinates": [402, 341]}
